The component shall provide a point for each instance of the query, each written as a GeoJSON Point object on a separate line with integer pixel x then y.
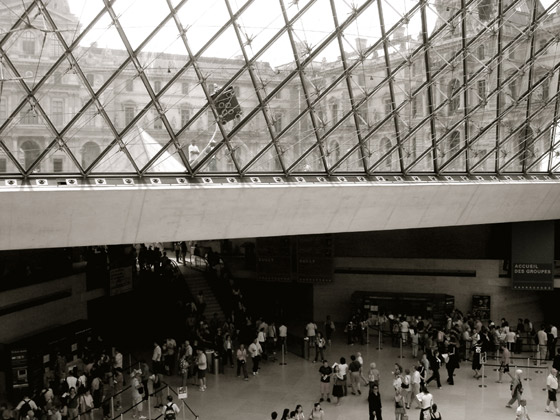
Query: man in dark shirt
{"type": "Point", "coordinates": [326, 372]}
{"type": "Point", "coordinates": [374, 402]}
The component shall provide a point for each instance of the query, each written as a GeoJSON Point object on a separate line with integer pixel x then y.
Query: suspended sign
{"type": "Point", "coordinates": [227, 105]}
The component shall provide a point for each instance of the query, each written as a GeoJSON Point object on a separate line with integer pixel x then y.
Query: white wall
{"type": "Point", "coordinates": [60, 312]}
{"type": "Point", "coordinates": [118, 214]}
{"type": "Point", "coordinates": [334, 298]}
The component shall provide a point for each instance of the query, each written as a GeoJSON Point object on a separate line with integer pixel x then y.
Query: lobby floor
{"type": "Point", "coordinates": [284, 386]}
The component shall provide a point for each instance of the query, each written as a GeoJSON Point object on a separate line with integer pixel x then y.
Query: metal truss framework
{"type": "Point", "coordinates": [523, 128]}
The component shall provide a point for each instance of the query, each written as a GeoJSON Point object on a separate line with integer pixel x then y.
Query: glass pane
{"type": "Point", "coordinates": [115, 161]}
{"type": "Point", "coordinates": [169, 161]}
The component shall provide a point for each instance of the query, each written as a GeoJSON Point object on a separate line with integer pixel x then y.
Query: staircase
{"type": "Point", "coordinates": [196, 282]}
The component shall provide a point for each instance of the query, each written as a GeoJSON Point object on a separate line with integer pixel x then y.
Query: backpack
{"type": "Point", "coordinates": [169, 412]}
{"type": "Point", "coordinates": [25, 408]}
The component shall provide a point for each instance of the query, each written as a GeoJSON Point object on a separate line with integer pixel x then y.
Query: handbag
{"type": "Point", "coordinates": [140, 390]}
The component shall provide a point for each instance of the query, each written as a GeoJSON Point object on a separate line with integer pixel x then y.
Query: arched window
{"type": "Point", "coordinates": [28, 43]}
{"type": "Point", "coordinates": [90, 151]}
{"type": "Point", "coordinates": [31, 151]}
{"type": "Point", "coordinates": [453, 95]}
{"type": "Point", "coordinates": [480, 52]}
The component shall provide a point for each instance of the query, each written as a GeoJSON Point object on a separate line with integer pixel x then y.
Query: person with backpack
{"type": "Point", "coordinates": [24, 406]}
{"type": "Point", "coordinates": [170, 409]}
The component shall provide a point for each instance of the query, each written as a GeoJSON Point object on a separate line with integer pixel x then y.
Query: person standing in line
{"type": "Point", "coordinates": [435, 364]}
{"type": "Point", "coordinates": [426, 401]}
{"type": "Point", "coordinates": [311, 332]}
{"type": "Point", "coordinates": [406, 388]}
{"type": "Point", "coordinates": [242, 361]}
{"type": "Point", "coordinates": [299, 413]}
{"type": "Point", "coordinates": [337, 391]}
{"type": "Point", "coordinates": [504, 363]}
{"type": "Point", "coordinates": [317, 413]}
{"type": "Point", "coordinates": [283, 336]}
{"type": "Point", "coordinates": [255, 351]}
{"type": "Point", "coordinates": [374, 402]}
{"type": "Point", "coordinates": [202, 365]}
{"type": "Point", "coordinates": [415, 385]}
{"type": "Point", "coordinates": [156, 358]}
{"type": "Point", "coordinates": [329, 329]}
{"type": "Point", "coordinates": [184, 369]}
{"type": "Point", "coordinates": [228, 350]}
{"type": "Point", "coordinates": [435, 414]}
{"type": "Point", "coordinates": [556, 362]}
{"type": "Point", "coordinates": [373, 374]}
{"type": "Point", "coordinates": [522, 413]}
{"type": "Point", "coordinates": [516, 388]}
{"type": "Point", "coordinates": [355, 369]}
{"type": "Point", "coordinates": [452, 362]}
{"type": "Point", "coordinates": [541, 346]}
{"type": "Point", "coordinates": [320, 344]}
{"type": "Point", "coordinates": [400, 411]}
{"type": "Point", "coordinates": [552, 389]}
{"type": "Point", "coordinates": [326, 373]}
{"type": "Point", "coordinates": [343, 369]}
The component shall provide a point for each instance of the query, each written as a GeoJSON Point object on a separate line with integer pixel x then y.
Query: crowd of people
{"type": "Point", "coordinates": [76, 387]}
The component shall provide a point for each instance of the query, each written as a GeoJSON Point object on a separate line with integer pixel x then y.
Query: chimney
{"type": "Point", "coordinates": [361, 44]}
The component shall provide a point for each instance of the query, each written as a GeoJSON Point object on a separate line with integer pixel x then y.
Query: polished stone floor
{"type": "Point", "coordinates": [284, 386]}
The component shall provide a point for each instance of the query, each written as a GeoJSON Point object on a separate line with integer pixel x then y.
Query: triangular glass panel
{"type": "Point", "coordinates": [33, 136]}
{"type": "Point", "coordinates": [336, 104]}
{"type": "Point", "coordinates": [104, 49]}
{"type": "Point", "coordinates": [270, 16]}
{"type": "Point", "coordinates": [9, 102]}
{"type": "Point", "coordinates": [163, 56]}
{"type": "Point", "coordinates": [353, 163]}
{"type": "Point", "coordinates": [125, 98]}
{"type": "Point", "coordinates": [74, 17]}
{"type": "Point", "coordinates": [182, 101]}
{"type": "Point", "coordinates": [200, 137]}
{"type": "Point", "coordinates": [143, 143]}
{"type": "Point", "coordinates": [413, 141]}
{"type": "Point", "coordinates": [442, 19]}
{"type": "Point", "coordinates": [295, 7]}
{"type": "Point", "coordinates": [268, 162]}
{"type": "Point", "coordinates": [313, 162]}
{"type": "Point", "coordinates": [482, 160]}
{"type": "Point", "coordinates": [516, 148]}
{"type": "Point", "coordinates": [310, 31]}
{"type": "Point", "coordinates": [394, 13]}
{"type": "Point", "coordinates": [386, 156]}
{"type": "Point", "coordinates": [203, 20]}
{"type": "Point", "coordinates": [88, 136]}
{"type": "Point", "coordinates": [7, 165]}
{"type": "Point", "coordinates": [170, 162]}
{"type": "Point", "coordinates": [220, 161]}
{"type": "Point", "coordinates": [297, 140]}
{"type": "Point", "coordinates": [337, 145]}
{"type": "Point", "coordinates": [450, 157]}
{"type": "Point", "coordinates": [115, 161]}
{"type": "Point", "coordinates": [135, 20]}
{"type": "Point", "coordinates": [58, 161]}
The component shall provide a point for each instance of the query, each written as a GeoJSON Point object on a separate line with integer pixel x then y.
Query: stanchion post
{"type": "Point", "coordinates": [482, 385]}
{"type": "Point", "coordinates": [149, 407]}
{"type": "Point", "coordinates": [112, 408]}
{"type": "Point", "coordinates": [283, 362]}
{"type": "Point", "coordinates": [401, 343]}
{"type": "Point", "coordinates": [528, 367]}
